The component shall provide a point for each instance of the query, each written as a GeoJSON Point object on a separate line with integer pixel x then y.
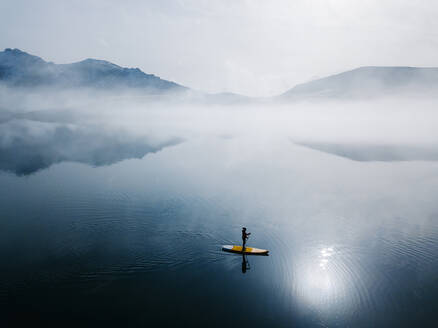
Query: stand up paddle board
{"type": "Point", "coordinates": [248, 250]}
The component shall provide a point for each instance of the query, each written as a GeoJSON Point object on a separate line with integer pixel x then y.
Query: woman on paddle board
{"type": "Point", "coordinates": [245, 236]}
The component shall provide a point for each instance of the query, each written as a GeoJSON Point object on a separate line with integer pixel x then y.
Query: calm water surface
{"type": "Point", "coordinates": [138, 243]}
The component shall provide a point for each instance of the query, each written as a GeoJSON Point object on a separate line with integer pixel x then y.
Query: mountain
{"type": "Point", "coordinates": [20, 69]}
{"type": "Point", "coordinates": [366, 82]}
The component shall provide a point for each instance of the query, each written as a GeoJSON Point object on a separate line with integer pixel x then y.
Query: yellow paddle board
{"type": "Point", "coordinates": [248, 250]}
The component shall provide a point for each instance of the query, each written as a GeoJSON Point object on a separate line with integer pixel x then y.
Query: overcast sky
{"type": "Point", "coordinates": [258, 47]}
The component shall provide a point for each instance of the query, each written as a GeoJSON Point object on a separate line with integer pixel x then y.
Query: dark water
{"type": "Point", "coordinates": [138, 243]}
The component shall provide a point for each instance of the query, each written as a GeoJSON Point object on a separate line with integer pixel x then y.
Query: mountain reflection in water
{"type": "Point", "coordinates": [29, 146]}
{"type": "Point", "coordinates": [377, 152]}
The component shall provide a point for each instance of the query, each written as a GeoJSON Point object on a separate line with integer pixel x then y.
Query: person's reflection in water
{"type": "Point", "coordinates": [245, 264]}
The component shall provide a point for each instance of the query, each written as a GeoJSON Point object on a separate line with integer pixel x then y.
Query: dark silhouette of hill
{"type": "Point", "coordinates": [368, 82]}
{"type": "Point", "coordinates": [20, 69]}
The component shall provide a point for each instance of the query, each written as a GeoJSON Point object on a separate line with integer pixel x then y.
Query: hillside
{"type": "Point", "coordinates": [365, 82]}
{"type": "Point", "coordinates": [20, 69]}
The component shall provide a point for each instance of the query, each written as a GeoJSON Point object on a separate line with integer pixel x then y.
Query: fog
{"type": "Point", "coordinates": [263, 151]}
{"type": "Point", "coordinates": [41, 128]}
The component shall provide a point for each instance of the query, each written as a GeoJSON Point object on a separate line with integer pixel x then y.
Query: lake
{"type": "Point", "coordinates": [136, 241]}
{"type": "Point", "coordinates": [100, 227]}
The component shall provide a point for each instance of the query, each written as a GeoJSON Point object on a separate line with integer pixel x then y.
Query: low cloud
{"type": "Point", "coordinates": [39, 129]}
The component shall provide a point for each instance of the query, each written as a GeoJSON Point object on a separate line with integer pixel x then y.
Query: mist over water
{"type": "Point", "coordinates": [116, 207]}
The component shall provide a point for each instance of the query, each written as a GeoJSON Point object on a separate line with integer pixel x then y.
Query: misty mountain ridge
{"type": "Point", "coordinates": [20, 69]}
{"type": "Point", "coordinates": [366, 82]}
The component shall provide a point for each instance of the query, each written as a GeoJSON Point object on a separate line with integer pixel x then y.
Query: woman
{"type": "Point", "coordinates": [245, 236]}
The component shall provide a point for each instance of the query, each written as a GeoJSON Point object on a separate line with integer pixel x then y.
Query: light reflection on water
{"type": "Point", "coordinates": [319, 284]}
